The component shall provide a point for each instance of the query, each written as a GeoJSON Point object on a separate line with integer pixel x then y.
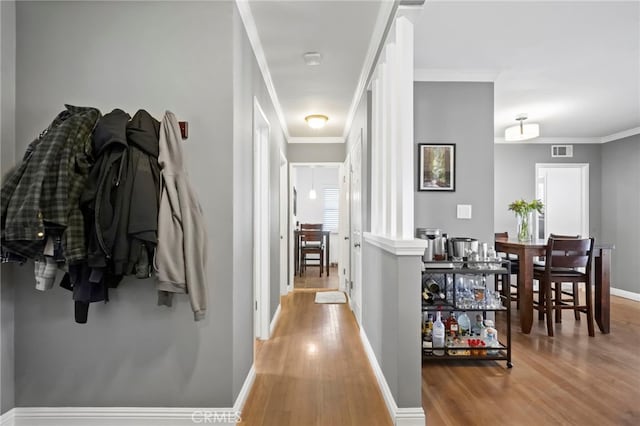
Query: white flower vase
{"type": "Point", "coordinates": [525, 226]}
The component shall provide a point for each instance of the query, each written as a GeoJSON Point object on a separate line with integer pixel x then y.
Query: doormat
{"type": "Point", "coordinates": [330, 297]}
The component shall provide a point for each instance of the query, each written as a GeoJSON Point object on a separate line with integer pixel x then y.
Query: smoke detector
{"type": "Point", "coordinates": [312, 58]}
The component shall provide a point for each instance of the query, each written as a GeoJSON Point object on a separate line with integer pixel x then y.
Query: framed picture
{"type": "Point", "coordinates": [295, 201]}
{"type": "Point", "coordinates": [436, 167]}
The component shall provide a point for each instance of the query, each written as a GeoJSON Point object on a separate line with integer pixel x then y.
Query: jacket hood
{"type": "Point", "coordinates": [111, 129]}
{"type": "Point", "coordinates": [170, 158]}
{"type": "Point", "coordinates": [143, 131]}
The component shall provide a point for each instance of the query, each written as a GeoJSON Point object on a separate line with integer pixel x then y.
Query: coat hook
{"type": "Point", "coordinates": [184, 129]}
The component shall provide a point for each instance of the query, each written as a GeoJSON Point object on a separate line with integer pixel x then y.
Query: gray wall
{"type": "Point", "coordinates": [620, 207]}
{"type": "Point", "coordinates": [7, 160]}
{"type": "Point", "coordinates": [165, 55]}
{"type": "Point", "coordinates": [316, 152]}
{"type": "Point", "coordinates": [391, 319]}
{"type": "Point", "coordinates": [460, 113]}
{"type": "Point", "coordinates": [249, 83]}
{"type": "Point", "coordinates": [515, 179]}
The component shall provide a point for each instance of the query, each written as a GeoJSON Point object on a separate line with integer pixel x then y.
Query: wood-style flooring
{"type": "Point", "coordinates": [569, 379]}
{"type": "Point", "coordinates": [314, 370]}
{"type": "Point", "coordinates": [311, 279]}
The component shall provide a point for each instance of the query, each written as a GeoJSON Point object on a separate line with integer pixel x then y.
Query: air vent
{"type": "Point", "coordinates": [561, 151]}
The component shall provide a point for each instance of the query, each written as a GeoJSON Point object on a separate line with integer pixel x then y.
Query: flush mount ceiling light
{"type": "Point", "coordinates": [522, 132]}
{"type": "Point", "coordinates": [312, 58]}
{"type": "Point", "coordinates": [316, 121]}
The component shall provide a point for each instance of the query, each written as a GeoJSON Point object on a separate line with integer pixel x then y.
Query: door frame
{"type": "Point", "coordinates": [355, 241]}
{"type": "Point", "coordinates": [584, 168]}
{"type": "Point", "coordinates": [284, 223]}
{"type": "Point", "coordinates": [261, 221]}
{"type": "Point", "coordinates": [292, 223]}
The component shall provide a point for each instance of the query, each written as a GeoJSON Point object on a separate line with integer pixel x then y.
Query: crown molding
{"type": "Point", "coordinates": [620, 135]}
{"type": "Point", "coordinates": [385, 18]}
{"type": "Point", "coordinates": [316, 139]}
{"type": "Point", "coordinates": [252, 33]}
{"type": "Point", "coordinates": [451, 75]}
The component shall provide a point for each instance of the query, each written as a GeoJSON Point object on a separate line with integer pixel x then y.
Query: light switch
{"type": "Point", "coordinates": [464, 211]}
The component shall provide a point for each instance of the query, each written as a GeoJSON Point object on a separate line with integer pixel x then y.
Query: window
{"type": "Point", "coordinates": [331, 212]}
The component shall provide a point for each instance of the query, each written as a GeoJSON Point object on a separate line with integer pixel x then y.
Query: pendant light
{"type": "Point", "coordinates": [522, 132]}
{"type": "Point", "coordinates": [312, 192]}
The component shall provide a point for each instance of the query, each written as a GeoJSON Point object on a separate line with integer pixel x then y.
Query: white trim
{"type": "Point", "coordinates": [620, 135]}
{"type": "Point", "coordinates": [413, 247]}
{"type": "Point", "coordinates": [447, 75]}
{"type": "Point", "coordinates": [413, 416]}
{"type": "Point", "coordinates": [385, 15]}
{"type": "Point", "coordinates": [261, 220]}
{"type": "Point", "coordinates": [550, 141]}
{"type": "Point", "coordinates": [112, 416]}
{"type": "Point", "coordinates": [274, 320]}
{"type": "Point", "coordinates": [8, 418]}
{"type": "Point", "coordinates": [318, 139]}
{"type": "Point", "coordinates": [626, 294]}
{"type": "Point", "coordinates": [246, 387]}
{"type": "Point", "coordinates": [252, 33]}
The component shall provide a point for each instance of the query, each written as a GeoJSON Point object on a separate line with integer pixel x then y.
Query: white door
{"type": "Point", "coordinates": [564, 190]}
{"type": "Point", "coordinates": [284, 210]}
{"type": "Point", "coordinates": [356, 228]}
{"type": "Point", "coordinates": [344, 263]}
{"type": "Point", "coordinates": [261, 256]}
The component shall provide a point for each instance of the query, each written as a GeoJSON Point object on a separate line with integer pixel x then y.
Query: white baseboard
{"type": "Point", "coordinates": [7, 419]}
{"type": "Point", "coordinates": [413, 416]}
{"type": "Point", "coordinates": [120, 416]}
{"type": "Point", "coordinates": [274, 320]}
{"type": "Point", "coordinates": [130, 416]}
{"type": "Point", "coordinates": [246, 388]}
{"type": "Point", "coordinates": [626, 294]}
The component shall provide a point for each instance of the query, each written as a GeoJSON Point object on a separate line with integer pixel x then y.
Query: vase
{"type": "Point", "coordinates": [525, 226]}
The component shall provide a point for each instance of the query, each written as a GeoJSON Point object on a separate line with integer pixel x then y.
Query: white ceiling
{"type": "Point", "coordinates": [574, 67]}
{"type": "Point", "coordinates": [341, 31]}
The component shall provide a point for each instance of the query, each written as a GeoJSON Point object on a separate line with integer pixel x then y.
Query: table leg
{"type": "Point", "coordinates": [525, 288]}
{"type": "Point", "coordinates": [602, 300]}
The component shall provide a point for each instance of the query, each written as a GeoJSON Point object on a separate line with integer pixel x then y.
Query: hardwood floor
{"type": "Point", "coordinates": [311, 279]}
{"type": "Point", "coordinates": [314, 370]}
{"type": "Point", "coordinates": [569, 379]}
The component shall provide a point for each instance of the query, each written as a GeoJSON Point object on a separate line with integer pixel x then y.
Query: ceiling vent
{"type": "Point", "coordinates": [561, 151]}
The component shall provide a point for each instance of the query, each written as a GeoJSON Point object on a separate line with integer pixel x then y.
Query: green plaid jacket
{"type": "Point", "coordinates": [42, 194]}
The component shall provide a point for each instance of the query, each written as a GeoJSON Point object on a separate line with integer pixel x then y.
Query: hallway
{"type": "Point", "coordinates": [311, 279]}
{"type": "Point", "coordinates": [314, 370]}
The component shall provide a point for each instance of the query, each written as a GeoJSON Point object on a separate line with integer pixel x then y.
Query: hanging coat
{"type": "Point", "coordinates": [180, 260]}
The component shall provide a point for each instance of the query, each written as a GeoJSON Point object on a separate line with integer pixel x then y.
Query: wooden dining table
{"type": "Point", "coordinates": [526, 251]}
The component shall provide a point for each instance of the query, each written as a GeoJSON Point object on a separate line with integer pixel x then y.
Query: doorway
{"type": "Point", "coordinates": [261, 257]}
{"type": "Point", "coordinates": [315, 191]}
{"type": "Point", "coordinates": [564, 190]}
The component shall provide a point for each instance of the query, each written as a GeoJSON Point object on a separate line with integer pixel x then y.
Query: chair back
{"type": "Point", "coordinates": [309, 237]}
{"type": "Point", "coordinates": [311, 226]}
{"type": "Point", "coordinates": [564, 237]}
{"type": "Point", "coordinates": [501, 236]}
{"type": "Point", "coordinates": [569, 253]}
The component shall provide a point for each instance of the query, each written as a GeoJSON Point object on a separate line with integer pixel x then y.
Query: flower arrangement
{"type": "Point", "coordinates": [522, 209]}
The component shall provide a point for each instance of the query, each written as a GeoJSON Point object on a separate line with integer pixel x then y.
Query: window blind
{"type": "Point", "coordinates": [331, 209]}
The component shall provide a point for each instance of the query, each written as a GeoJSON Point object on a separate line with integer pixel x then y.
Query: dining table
{"type": "Point", "coordinates": [528, 250]}
{"type": "Point", "coordinates": [297, 247]}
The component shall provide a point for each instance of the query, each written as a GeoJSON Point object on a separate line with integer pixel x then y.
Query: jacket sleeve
{"type": "Point", "coordinates": [195, 250]}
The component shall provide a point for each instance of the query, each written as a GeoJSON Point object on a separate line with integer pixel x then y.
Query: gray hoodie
{"type": "Point", "coordinates": [181, 254]}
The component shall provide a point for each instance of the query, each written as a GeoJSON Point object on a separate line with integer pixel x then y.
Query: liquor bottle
{"type": "Point", "coordinates": [438, 335]}
{"type": "Point", "coordinates": [453, 325]}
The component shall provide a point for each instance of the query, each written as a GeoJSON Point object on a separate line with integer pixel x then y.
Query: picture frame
{"type": "Point", "coordinates": [437, 167]}
{"type": "Point", "coordinates": [295, 201]}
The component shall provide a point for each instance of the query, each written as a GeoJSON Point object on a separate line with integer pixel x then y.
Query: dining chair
{"type": "Point", "coordinates": [510, 290]}
{"type": "Point", "coordinates": [311, 243]}
{"type": "Point", "coordinates": [566, 260]}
